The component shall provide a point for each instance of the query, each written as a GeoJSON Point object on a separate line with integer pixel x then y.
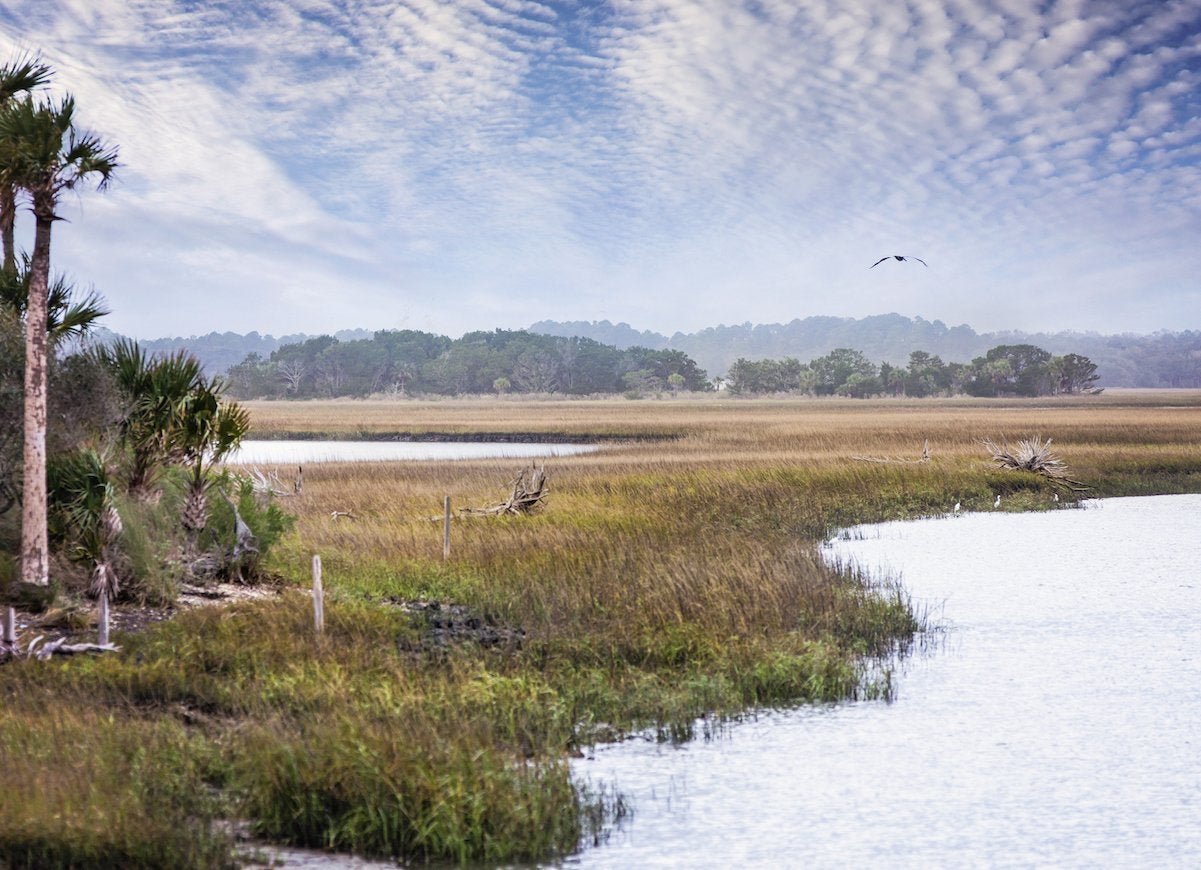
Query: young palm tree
{"type": "Point", "coordinates": [44, 155]}
{"type": "Point", "coordinates": [68, 315]}
{"type": "Point", "coordinates": [20, 76]}
{"type": "Point", "coordinates": [209, 429]}
{"type": "Point", "coordinates": [157, 392]}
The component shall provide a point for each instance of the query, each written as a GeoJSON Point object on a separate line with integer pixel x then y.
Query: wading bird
{"type": "Point", "coordinates": [997, 503]}
{"type": "Point", "coordinates": [899, 258]}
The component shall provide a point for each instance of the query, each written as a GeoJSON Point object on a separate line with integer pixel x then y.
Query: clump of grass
{"type": "Point", "coordinates": [378, 787]}
{"type": "Point", "coordinates": [96, 788]}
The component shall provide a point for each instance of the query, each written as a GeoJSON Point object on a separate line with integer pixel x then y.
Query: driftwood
{"type": "Point", "coordinates": [924, 458]}
{"type": "Point", "coordinates": [268, 483]}
{"type": "Point", "coordinates": [1033, 455]}
{"type": "Point", "coordinates": [59, 646]}
{"type": "Point", "coordinates": [529, 491]}
{"type": "Point", "coordinates": [338, 514]}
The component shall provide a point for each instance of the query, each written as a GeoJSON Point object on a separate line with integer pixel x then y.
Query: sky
{"type": "Point", "coordinates": [452, 165]}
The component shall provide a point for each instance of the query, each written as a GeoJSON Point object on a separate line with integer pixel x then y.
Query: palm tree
{"type": "Point", "coordinates": [175, 416]}
{"type": "Point", "coordinates": [208, 430]}
{"type": "Point", "coordinates": [44, 155]}
{"type": "Point", "coordinates": [20, 76]}
{"type": "Point", "coordinates": [68, 316]}
{"type": "Point", "coordinates": [157, 392]}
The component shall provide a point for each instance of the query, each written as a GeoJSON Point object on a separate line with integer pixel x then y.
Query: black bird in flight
{"type": "Point", "coordinates": [897, 257]}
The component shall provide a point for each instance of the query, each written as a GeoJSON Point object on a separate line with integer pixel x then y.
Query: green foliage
{"type": "Point", "coordinates": [768, 376]}
{"type": "Point", "coordinates": [354, 786]}
{"type": "Point", "coordinates": [150, 548]}
{"type": "Point", "coordinates": [1073, 373]}
{"type": "Point", "coordinates": [260, 511]}
{"type": "Point", "coordinates": [408, 362]}
{"type": "Point", "coordinates": [83, 401]}
{"type": "Point", "coordinates": [69, 314]}
{"type": "Point", "coordinates": [45, 153]}
{"type": "Point", "coordinates": [1164, 359]}
{"type": "Point", "coordinates": [106, 789]}
{"type": "Point", "coordinates": [79, 493]}
{"type": "Point", "coordinates": [1006, 370]}
{"type": "Point", "coordinates": [1011, 370]}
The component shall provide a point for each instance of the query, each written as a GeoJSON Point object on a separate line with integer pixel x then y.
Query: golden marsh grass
{"type": "Point", "coordinates": [672, 573]}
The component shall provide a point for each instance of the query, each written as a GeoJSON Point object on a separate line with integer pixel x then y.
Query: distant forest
{"type": "Point", "coordinates": [407, 362]}
{"type": "Point", "coordinates": [1164, 359]}
{"type": "Point", "coordinates": [1006, 370]}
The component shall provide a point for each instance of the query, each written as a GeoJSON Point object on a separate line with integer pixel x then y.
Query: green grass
{"type": "Point", "coordinates": [663, 582]}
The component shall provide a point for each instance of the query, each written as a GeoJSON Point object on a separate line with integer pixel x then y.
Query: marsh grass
{"type": "Point", "coordinates": [663, 582]}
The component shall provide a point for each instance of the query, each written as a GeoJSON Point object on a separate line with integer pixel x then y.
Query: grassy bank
{"type": "Point", "coordinates": [664, 580]}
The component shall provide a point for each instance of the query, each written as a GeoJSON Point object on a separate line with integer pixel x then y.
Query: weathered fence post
{"type": "Point", "coordinates": [446, 528]}
{"type": "Point", "coordinates": [104, 618]}
{"type": "Point", "coordinates": [10, 627]}
{"type": "Point", "coordinates": [318, 597]}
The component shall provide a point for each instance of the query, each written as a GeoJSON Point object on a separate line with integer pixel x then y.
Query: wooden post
{"type": "Point", "coordinates": [10, 626]}
{"type": "Point", "coordinates": [446, 528]}
{"type": "Point", "coordinates": [318, 597]}
{"type": "Point", "coordinates": [103, 618]}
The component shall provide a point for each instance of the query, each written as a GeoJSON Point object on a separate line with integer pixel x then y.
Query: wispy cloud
{"type": "Point", "coordinates": [673, 163]}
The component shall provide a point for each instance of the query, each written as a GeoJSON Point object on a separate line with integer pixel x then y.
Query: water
{"type": "Point", "coordinates": [1056, 720]}
{"type": "Point", "coordinates": [304, 452]}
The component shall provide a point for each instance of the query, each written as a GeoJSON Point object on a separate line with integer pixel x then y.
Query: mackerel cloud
{"type": "Point", "coordinates": [305, 166]}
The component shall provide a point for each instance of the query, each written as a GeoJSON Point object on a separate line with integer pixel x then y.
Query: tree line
{"type": "Point", "coordinates": [1162, 359]}
{"type": "Point", "coordinates": [1005, 370]}
{"type": "Point", "coordinates": [408, 362]}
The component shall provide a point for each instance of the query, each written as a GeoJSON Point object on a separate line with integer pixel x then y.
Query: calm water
{"type": "Point", "coordinates": [1056, 721]}
{"type": "Point", "coordinates": [300, 452]}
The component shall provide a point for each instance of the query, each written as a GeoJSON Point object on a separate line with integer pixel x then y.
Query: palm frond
{"type": "Point", "coordinates": [68, 316]}
{"type": "Point", "coordinates": [22, 75]}
{"type": "Point", "coordinates": [43, 153]}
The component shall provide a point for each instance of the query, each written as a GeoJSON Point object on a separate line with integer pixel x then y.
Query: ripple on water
{"type": "Point", "coordinates": [1056, 724]}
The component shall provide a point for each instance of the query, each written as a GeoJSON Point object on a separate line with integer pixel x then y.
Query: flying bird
{"type": "Point", "coordinates": [899, 258]}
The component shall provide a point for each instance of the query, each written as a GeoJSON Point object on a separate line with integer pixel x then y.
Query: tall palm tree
{"type": "Point", "coordinates": [20, 76]}
{"type": "Point", "coordinates": [45, 155]}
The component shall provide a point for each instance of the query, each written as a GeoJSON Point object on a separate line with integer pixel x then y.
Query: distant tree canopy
{"type": "Point", "coordinates": [408, 362]}
{"type": "Point", "coordinates": [1163, 359]}
{"type": "Point", "coordinates": [1006, 370]}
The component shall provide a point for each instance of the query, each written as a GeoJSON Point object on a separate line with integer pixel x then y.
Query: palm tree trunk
{"type": "Point", "coordinates": [8, 219]}
{"type": "Point", "coordinates": [35, 553]}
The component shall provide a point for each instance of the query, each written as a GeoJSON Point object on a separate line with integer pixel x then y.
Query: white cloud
{"type": "Point", "coordinates": [685, 161]}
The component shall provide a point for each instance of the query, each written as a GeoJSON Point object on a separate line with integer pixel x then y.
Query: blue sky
{"type": "Point", "coordinates": [307, 166]}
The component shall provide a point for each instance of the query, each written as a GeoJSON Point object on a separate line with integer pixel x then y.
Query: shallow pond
{"type": "Point", "coordinates": [1053, 720]}
{"type": "Point", "coordinates": [302, 452]}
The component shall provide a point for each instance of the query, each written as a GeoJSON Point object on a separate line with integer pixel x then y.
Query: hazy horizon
{"type": "Point", "coordinates": [305, 167]}
{"type": "Point", "coordinates": [276, 334]}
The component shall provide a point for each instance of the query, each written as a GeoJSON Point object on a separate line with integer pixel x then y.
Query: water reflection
{"type": "Point", "coordinates": [1057, 725]}
{"type": "Point", "coordinates": [301, 452]}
